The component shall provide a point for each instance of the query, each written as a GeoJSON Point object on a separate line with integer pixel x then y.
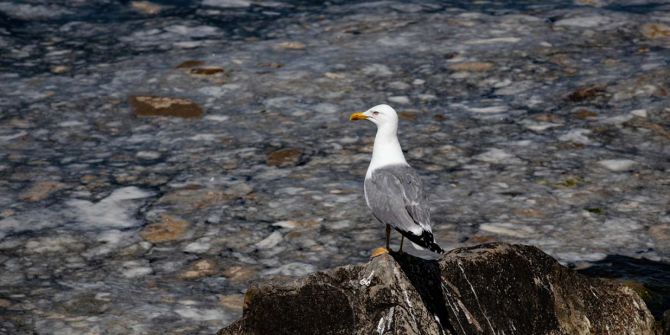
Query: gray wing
{"type": "Point", "coordinates": [395, 196]}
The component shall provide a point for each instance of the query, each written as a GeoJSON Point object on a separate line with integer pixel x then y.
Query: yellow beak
{"type": "Point", "coordinates": [357, 116]}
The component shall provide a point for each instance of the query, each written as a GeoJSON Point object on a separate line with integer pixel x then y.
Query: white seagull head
{"type": "Point", "coordinates": [384, 116]}
{"type": "Point", "coordinates": [386, 150]}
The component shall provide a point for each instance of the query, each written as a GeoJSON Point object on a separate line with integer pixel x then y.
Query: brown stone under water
{"type": "Point", "coordinates": [206, 71]}
{"type": "Point", "coordinates": [284, 157]}
{"type": "Point", "coordinates": [472, 66]}
{"type": "Point", "coordinates": [146, 105]}
{"type": "Point", "coordinates": [169, 229]}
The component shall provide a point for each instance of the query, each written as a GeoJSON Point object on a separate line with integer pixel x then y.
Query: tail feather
{"type": "Point", "coordinates": [426, 240]}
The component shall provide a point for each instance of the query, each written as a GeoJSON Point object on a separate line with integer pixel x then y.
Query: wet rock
{"type": "Point", "coordinates": [472, 66]}
{"type": "Point", "coordinates": [594, 3]}
{"type": "Point", "coordinates": [292, 224]}
{"type": "Point", "coordinates": [200, 246]}
{"type": "Point", "coordinates": [190, 64]}
{"type": "Point", "coordinates": [497, 156]}
{"type": "Point", "coordinates": [486, 289]}
{"type": "Point", "coordinates": [146, 7]}
{"type": "Point", "coordinates": [233, 301]}
{"type": "Point", "coordinates": [399, 99]}
{"type": "Point", "coordinates": [240, 274]}
{"type": "Point", "coordinates": [165, 106]}
{"type": "Point", "coordinates": [409, 116]}
{"type": "Point", "coordinates": [586, 93]}
{"type": "Point", "coordinates": [270, 242]}
{"type": "Point", "coordinates": [53, 244]}
{"type": "Point", "coordinates": [488, 110]}
{"type": "Point", "coordinates": [206, 71]}
{"type": "Point", "coordinates": [655, 30]}
{"type": "Point", "coordinates": [547, 118]}
{"type": "Point", "coordinates": [576, 136]}
{"type": "Point", "coordinates": [41, 190]}
{"type": "Point", "coordinates": [639, 112]}
{"type": "Point", "coordinates": [148, 155]}
{"type": "Point", "coordinates": [584, 21]}
{"type": "Point", "coordinates": [284, 157]}
{"type": "Point", "coordinates": [585, 114]}
{"type": "Point", "coordinates": [334, 75]}
{"type": "Point", "coordinates": [169, 229]}
{"type": "Point", "coordinates": [5, 213]}
{"type": "Point", "coordinates": [59, 69]}
{"type": "Point", "coordinates": [32, 12]}
{"type": "Point", "coordinates": [85, 304]}
{"type": "Point", "coordinates": [192, 199]}
{"type": "Point", "coordinates": [199, 269]}
{"type": "Point", "coordinates": [291, 45]}
{"type": "Point", "coordinates": [399, 85]}
{"type": "Point", "coordinates": [273, 65]}
{"type": "Point", "coordinates": [227, 3]}
{"type": "Point", "coordinates": [135, 269]}
{"type": "Point", "coordinates": [380, 70]}
{"type": "Point", "coordinates": [617, 165]}
{"type": "Point", "coordinates": [529, 213]}
{"type": "Point", "coordinates": [661, 233]}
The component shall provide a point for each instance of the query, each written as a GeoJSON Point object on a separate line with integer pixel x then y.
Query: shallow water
{"type": "Point", "coordinates": [544, 124]}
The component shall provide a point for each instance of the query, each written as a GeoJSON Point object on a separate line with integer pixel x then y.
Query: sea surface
{"type": "Point", "coordinates": [156, 157]}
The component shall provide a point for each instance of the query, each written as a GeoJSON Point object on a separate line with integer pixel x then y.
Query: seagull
{"type": "Point", "coordinates": [393, 190]}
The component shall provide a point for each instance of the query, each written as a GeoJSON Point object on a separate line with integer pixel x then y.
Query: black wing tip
{"type": "Point", "coordinates": [426, 240]}
{"type": "Point", "coordinates": [434, 247]}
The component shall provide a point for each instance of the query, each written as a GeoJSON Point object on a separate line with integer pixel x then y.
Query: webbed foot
{"type": "Point", "coordinates": [379, 251]}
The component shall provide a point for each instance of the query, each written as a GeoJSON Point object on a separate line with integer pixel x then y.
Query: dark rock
{"type": "Point", "coordinates": [488, 289]}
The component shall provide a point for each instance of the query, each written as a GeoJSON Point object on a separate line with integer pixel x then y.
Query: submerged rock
{"type": "Point", "coordinates": [472, 66]}
{"type": "Point", "coordinates": [655, 30]}
{"type": "Point", "coordinates": [284, 157]}
{"type": "Point", "coordinates": [169, 229]}
{"type": "Point", "coordinates": [146, 7]}
{"type": "Point", "coordinates": [487, 289]}
{"type": "Point", "coordinates": [165, 106]}
{"type": "Point", "coordinates": [41, 190]}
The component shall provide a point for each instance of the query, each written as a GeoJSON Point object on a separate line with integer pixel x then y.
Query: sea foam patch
{"type": "Point", "coordinates": [114, 211]}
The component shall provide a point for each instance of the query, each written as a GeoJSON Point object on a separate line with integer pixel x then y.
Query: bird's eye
{"type": "Point", "coordinates": [375, 113]}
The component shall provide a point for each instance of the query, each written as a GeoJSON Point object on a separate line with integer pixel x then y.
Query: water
{"type": "Point", "coordinates": [535, 123]}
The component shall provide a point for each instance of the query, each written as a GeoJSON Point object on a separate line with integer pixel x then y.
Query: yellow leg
{"type": "Point", "coordinates": [381, 250]}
